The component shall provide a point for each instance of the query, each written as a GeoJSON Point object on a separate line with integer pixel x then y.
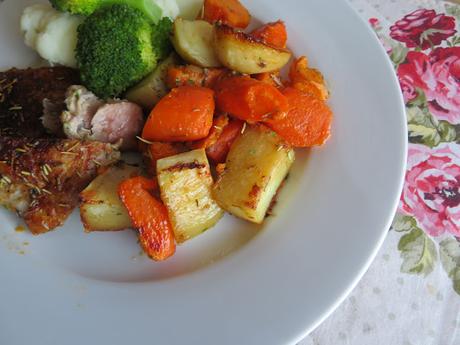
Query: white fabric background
{"type": "Point", "coordinates": [389, 307]}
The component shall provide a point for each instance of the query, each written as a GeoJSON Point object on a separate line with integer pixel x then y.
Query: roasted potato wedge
{"type": "Point", "coordinates": [101, 208]}
{"type": "Point", "coordinates": [242, 53]}
{"type": "Point", "coordinates": [153, 87]}
{"type": "Point", "coordinates": [185, 184]}
{"type": "Point", "coordinates": [257, 164]}
{"type": "Point", "coordinates": [193, 40]}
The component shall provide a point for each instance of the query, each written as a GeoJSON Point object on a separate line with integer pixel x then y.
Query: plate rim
{"type": "Point", "coordinates": [384, 232]}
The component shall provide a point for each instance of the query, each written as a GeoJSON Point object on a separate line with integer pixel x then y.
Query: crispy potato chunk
{"type": "Point", "coordinates": [242, 53]}
{"type": "Point", "coordinates": [101, 208]}
{"type": "Point", "coordinates": [257, 164]}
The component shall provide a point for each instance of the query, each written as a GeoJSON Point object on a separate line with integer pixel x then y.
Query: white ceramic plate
{"type": "Point", "coordinates": [236, 284]}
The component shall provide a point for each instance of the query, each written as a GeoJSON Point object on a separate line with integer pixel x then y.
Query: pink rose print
{"type": "Point", "coordinates": [375, 22]}
{"type": "Point", "coordinates": [377, 27]}
{"type": "Point", "coordinates": [432, 190]}
{"type": "Point", "coordinates": [438, 76]}
{"type": "Point", "coordinates": [423, 28]}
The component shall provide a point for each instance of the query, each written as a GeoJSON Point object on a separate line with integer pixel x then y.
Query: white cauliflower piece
{"type": "Point", "coordinates": [51, 33]}
{"type": "Point", "coordinates": [33, 21]}
{"type": "Point", "coordinates": [189, 9]}
{"type": "Point", "coordinates": [169, 8]}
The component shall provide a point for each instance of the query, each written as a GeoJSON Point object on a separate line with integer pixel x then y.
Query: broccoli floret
{"type": "Point", "coordinates": [87, 7]}
{"type": "Point", "coordinates": [115, 50]}
{"type": "Point", "coordinates": [161, 38]}
{"type": "Point", "coordinates": [84, 7]}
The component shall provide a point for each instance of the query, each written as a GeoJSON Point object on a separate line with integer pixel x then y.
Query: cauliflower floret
{"type": "Point", "coordinates": [51, 33]}
{"type": "Point", "coordinates": [33, 21]}
{"type": "Point", "coordinates": [189, 9]}
{"type": "Point", "coordinates": [169, 8]}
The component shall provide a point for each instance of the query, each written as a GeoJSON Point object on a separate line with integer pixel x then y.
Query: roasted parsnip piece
{"type": "Point", "coordinates": [185, 183]}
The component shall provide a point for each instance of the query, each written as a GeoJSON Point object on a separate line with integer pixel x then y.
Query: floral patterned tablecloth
{"type": "Point", "coordinates": [411, 293]}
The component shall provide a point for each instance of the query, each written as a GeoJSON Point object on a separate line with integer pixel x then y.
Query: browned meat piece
{"type": "Point", "coordinates": [88, 117]}
{"type": "Point", "coordinates": [41, 179]}
{"type": "Point", "coordinates": [22, 93]}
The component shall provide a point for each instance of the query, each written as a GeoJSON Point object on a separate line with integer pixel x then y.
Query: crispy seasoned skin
{"type": "Point", "coordinates": [41, 179]}
{"type": "Point", "coordinates": [22, 93]}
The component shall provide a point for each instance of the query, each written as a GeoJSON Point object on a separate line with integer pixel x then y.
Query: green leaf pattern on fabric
{"type": "Point", "coordinates": [453, 10]}
{"type": "Point", "coordinates": [425, 129]}
{"type": "Point", "coordinates": [398, 53]}
{"type": "Point", "coordinates": [429, 81]}
{"type": "Point", "coordinates": [403, 223]}
{"type": "Point", "coordinates": [449, 251]}
{"type": "Point", "coordinates": [418, 252]}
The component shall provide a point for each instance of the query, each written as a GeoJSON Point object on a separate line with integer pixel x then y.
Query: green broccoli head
{"type": "Point", "coordinates": [115, 50]}
{"type": "Point", "coordinates": [161, 38]}
{"type": "Point", "coordinates": [87, 7]}
{"type": "Point", "coordinates": [83, 7]}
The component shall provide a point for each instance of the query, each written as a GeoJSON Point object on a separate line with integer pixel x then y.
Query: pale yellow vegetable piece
{"type": "Point", "coordinates": [189, 9]}
{"type": "Point", "coordinates": [153, 88]}
{"type": "Point", "coordinates": [101, 208]}
{"type": "Point", "coordinates": [185, 184]}
{"type": "Point", "coordinates": [240, 52]}
{"type": "Point", "coordinates": [257, 164]}
{"type": "Point", "coordinates": [193, 40]}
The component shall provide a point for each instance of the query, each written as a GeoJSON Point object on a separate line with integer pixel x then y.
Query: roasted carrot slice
{"type": "Point", "coordinates": [307, 79]}
{"type": "Point", "coordinates": [223, 133]}
{"type": "Point", "coordinates": [149, 216]}
{"type": "Point", "coordinates": [185, 114]}
{"type": "Point", "coordinates": [274, 34]}
{"type": "Point", "coordinates": [159, 150]}
{"type": "Point", "coordinates": [300, 71]}
{"type": "Point", "coordinates": [249, 99]}
{"type": "Point", "coordinates": [272, 78]}
{"type": "Point", "coordinates": [193, 75]}
{"type": "Point", "coordinates": [230, 12]}
{"type": "Point", "coordinates": [307, 122]}
{"type": "Point", "coordinates": [313, 88]}
{"type": "Point", "coordinates": [218, 151]}
{"type": "Point", "coordinates": [214, 75]}
{"type": "Point", "coordinates": [184, 75]}
{"type": "Point", "coordinates": [218, 125]}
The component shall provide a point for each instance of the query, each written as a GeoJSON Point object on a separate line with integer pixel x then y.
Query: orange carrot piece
{"type": "Point", "coordinates": [217, 128]}
{"type": "Point", "coordinates": [249, 99]}
{"type": "Point", "coordinates": [300, 71]}
{"type": "Point", "coordinates": [219, 150]}
{"type": "Point", "coordinates": [193, 75]}
{"type": "Point", "coordinates": [149, 216]}
{"type": "Point", "coordinates": [184, 75]}
{"type": "Point", "coordinates": [229, 12]}
{"type": "Point", "coordinates": [274, 34]}
{"type": "Point", "coordinates": [214, 75]}
{"type": "Point", "coordinates": [307, 79]}
{"type": "Point", "coordinates": [307, 122]}
{"type": "Point", "coordinates": [159, 150]}
{"type": "Point", "coordinates": [185, 114]}
{"type": "Point", "coordinates": [313, 88]}
{"type": "Point", "coordinates": [272, 78]}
